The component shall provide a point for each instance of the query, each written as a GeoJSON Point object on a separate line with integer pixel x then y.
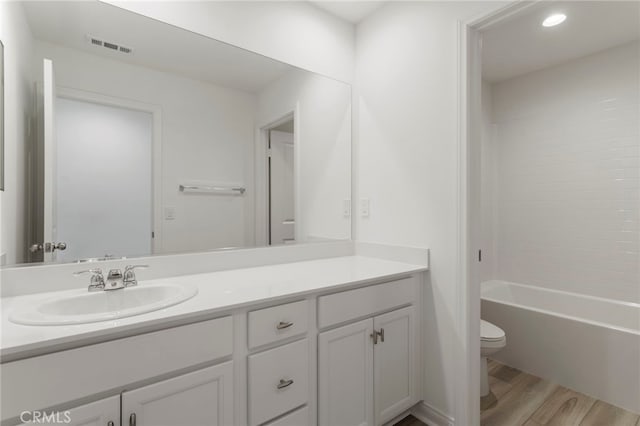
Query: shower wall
{"type": "Point", "coordinates": [561, 161]}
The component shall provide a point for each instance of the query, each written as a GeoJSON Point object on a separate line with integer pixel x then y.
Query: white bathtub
{"type": "Point", "coordinates": [585, 343]}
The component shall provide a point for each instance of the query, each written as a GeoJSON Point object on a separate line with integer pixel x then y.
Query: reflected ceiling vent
{"type": "Point", "coordinates": [108, 45]}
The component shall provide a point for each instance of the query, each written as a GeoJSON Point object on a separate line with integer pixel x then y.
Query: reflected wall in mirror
{"type": "Point", "coordinates": [144, 138]}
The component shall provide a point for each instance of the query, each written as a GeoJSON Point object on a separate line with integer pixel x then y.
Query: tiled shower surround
{"type": "Point", "coordinates": [563, 161]}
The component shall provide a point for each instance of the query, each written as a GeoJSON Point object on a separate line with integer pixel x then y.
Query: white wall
{"type": "Point", "coordinates": [18, 91]}
{"type": "Point", "coordinates": [568, 184]}
{"type": "Point", "coordinates": [406, 135]}
{"type": "Point", "coordinates": [207, 137]}
{"type": "Point", "coordinates": [322, 148]}
{"type": "Point", "coordinates": [294, 32]}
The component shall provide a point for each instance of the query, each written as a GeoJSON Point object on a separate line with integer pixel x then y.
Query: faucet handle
{"type": "Point", "coordinates": [95, 271]}
{"type": "Point", "coordinates": [97, 280]}
{"type": "Point", "coordinates": [129, 276]}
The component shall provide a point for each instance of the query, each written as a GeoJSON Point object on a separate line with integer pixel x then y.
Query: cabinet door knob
{"type": "Point", "coordinates": [110, 423]}
{"type": "Point", "coordinates": [381, 333]}
{"type": "Point", "coordinates": [374, 336]}
{"type": "Point", "coordinates": [283, 324]}
{"type": "Point", "coordinates": [284, 383]}
{"type": "Point", "coordinates": [132, 419]}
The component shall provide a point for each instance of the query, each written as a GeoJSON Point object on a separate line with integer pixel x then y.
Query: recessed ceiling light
{"type": "Point", "coordinates": [553, 20]}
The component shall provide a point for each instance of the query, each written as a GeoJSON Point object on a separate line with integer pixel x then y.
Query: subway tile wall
{"type": "Point", "coordinates": [566, 184]}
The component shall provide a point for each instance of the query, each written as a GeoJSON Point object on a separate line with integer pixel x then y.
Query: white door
{"type": "Point", "coordinates": [201, 398]}
{"type": "Point", "coordinates": [103, 180]}
{"type": "Point", "coordinates": [105, 412]}
{"type": "Point", "coordinates": [394, 364]}
{"type": "Point", "coordinates": [281, 188]}
{"type": "Point", "coordinates": [49, 153]}
{"type": "Point", "coordinates": [345, 375]}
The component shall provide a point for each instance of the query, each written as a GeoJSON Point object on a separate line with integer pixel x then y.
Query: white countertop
{"type": "Point", "coordinates": [218, 292]}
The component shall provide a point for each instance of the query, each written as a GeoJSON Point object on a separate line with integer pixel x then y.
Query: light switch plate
{"type": "Point", "coordinates": [364, 207]}
{"type": "Point", "coordinates": [169, 213]}
{"type": "Point", "coordinates": [346, 208]}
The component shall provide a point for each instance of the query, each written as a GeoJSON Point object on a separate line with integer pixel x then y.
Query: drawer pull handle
{"type": "Point", "coordinates": [284, 383]}
{"type": "Point", "coordinates": [283, 324]}
{"type": "Point", "coordinates": [132, 419]}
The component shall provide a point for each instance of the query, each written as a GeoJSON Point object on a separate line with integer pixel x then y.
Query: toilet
{"type": "Point", "coordinates": [492, 339]}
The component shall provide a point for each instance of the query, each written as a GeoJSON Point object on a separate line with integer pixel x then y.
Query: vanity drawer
{"type": "Point", "coordinates": [278, 381]}
{"type": "Point", "coordinates": [277, 323]}
{"type": "Point", "coordinates": [353, 304]}
{"type": "Point", "coordinates": [300, 417]}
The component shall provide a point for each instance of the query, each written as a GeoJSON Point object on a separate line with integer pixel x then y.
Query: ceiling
{"type": "Point", "coordinates": [522, 45]}
{"type": "Point", "coordinates": [350, 11]}
{"type": "Point", "coordinates": [155, 44]}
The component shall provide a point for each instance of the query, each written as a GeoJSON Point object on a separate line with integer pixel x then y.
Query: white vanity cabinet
{"type": "Point", "coordinates": [345, 375]}
{"type": "Point", "coordinates": [105, 412]}
{"type": "Point", "coordinates": [334, 357]}
{"type": "Point", "coordinates": [394, 363]}
{"type": "Point", "coordinates": [134, 367]}
{"type": "Point", "coordinates": [279, 378]}
{"type": "Point", "coordinates": [203, 397]}
{"type": "Point", "coordinates": [368, 370]}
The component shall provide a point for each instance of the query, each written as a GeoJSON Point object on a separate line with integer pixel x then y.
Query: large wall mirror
{"type": "Point", "coordinates": [150, 139]}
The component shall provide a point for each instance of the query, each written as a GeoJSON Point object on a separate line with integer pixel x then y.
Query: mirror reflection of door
{"type": "Point", "coordinates": [281, 185]}
{"type": "Point", "coordinates": [103, 180]}
{"type": "Point", "coordinates": [96, 192]}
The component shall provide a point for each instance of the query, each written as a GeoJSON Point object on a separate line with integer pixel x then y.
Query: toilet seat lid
{"type": "Point", "coordinates": [490, 332]}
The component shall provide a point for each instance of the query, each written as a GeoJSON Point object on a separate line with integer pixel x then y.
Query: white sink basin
{"type": "Point", "coordinates": [103, 305]}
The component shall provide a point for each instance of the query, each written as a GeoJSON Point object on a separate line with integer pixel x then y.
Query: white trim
{"type": "Point", "coordinates": [298, 229]}
{"type": "Point", "coordinates": [485, 21]}
{"type": "Point", "coordinates": [156, 171]}
{"type": "Point", "coordinates": [431, 415]}
{"type": "Point", "coordinates": [262, 178]}
{"type": "Point", "coordinates": [467, 409]}
{"type": "Point", "coordinates": [397, 418]}
{"type": "Point", "coordinates": [49, 165]}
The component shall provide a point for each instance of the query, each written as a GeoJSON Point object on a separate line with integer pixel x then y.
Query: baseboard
{"type": "Point", "coordinates": [431, 415]}
{"type": "Point", "coordinates": [397, 418]}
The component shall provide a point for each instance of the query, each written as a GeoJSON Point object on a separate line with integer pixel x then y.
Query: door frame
{"type": "Point", "coordinates": [469, 120]}
{"type": "Point", "coordinates": [156, 147]}
{"type": "Point", "coordinates": [262, 174]}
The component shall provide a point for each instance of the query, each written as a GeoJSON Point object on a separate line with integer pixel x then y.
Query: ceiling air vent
{"type": "Point", "coordinates": [108, 45]}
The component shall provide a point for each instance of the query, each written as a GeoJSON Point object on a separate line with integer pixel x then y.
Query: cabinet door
{"type": "Point", "coordinates": [204, 397]}
{"type": "Point", "coordinates": [345, 372]}
{"type": "Point", "coordinates": [105, 412]}
{"type": "Point", "coordinates": [395, 363]}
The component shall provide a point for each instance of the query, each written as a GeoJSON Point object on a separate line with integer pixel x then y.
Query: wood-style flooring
{"type": "Point", "coordinates": [526, 400]}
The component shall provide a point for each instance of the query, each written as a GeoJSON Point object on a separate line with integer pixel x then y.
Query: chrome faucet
{"type": "Point", "coordinates": [129, 279]}
{"type": "Point", "coordinates": [97, 279]}
{"type": "Point", "coordinates": [116, 279]}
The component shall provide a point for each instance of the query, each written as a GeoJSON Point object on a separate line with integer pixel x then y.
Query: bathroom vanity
{"type": "Point", "coordinates": [328, 341]}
